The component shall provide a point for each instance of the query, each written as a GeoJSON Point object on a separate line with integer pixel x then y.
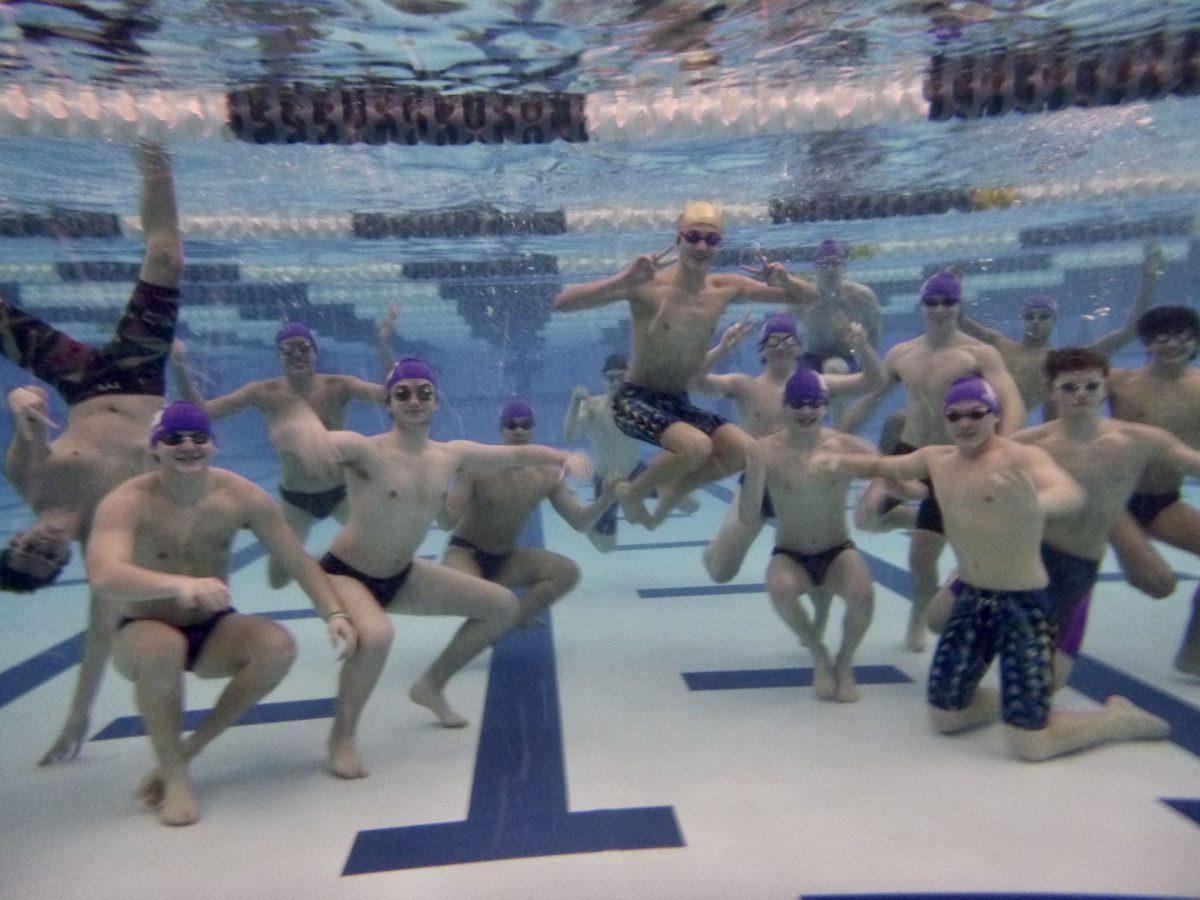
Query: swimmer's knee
{"type": "Point", "coordinates": [375, 636]}
{"type": "Point", "coordinates": [946, 721]}
{"type": "Point", "coordinates": [277, 645]}
{"type": "Point", "coordinates": [1158, 584]}
{"type": "Point", "coordinates": [1028, 744]}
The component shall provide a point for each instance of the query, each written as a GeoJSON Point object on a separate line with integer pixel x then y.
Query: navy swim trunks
{"type": "Point", "coordinates": [644, 414]}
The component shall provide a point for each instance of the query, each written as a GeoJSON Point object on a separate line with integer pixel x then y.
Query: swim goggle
{"type": "Point", "coordinates": [695, 237]}
{"type": "Point", "coordinates": [424, 392]}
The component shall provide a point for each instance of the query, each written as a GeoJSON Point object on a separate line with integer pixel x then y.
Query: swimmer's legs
{"type": "Point", "coordinates": [725, 553]}
{"type": "Point", "coordinates": [491, 610]}
{"type": "Point", "coordinates": [1144, 567]}
{"type": "Point", "coordinates": [301, 523]}
{"type": "Point", "coordinates": [727, 455]}
{"type": "Point", "coordinates": [923, 553]}
{"type": "Point", "coordinates": [1179, 526]}
{"type": "Point", "coordinates": [850, 577]}
{"type": "Point", "coordinates": [684, 450]}
{"type": "Point", "coordinates": [545, 576]}
{"type": "Point", "coordinates": [983, 709]}
{"type": "Point", "coordinates": [152, 655]}
{"type": "Point", "coordinates": [1066, 732]}
{"type": "Point", "coordinates": [786, 581]}
{"type": "Point", "coordinates": [359, 674]}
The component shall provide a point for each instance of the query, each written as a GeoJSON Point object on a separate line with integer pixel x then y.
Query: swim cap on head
{"type": "Point", "coordinates": [780, 323]}
{"type": "Point", "coordinates": [974, 388]}
{"type": "Point", "coordinates": [701, 212]}
{"type": "Point", "coordinates": [1040, 301]}
{"type": "Point", "coordinates": [804, 387]}
{"type": "Point", "coordinates": [943, 284]}
{"type": "Point", "coordinates": [830, 249]}
{"type": "Point", "coordinates": [295, 330]}
{"type": "Point", "coordinates": [516, 409]}
{"type": "Point", "coordinates": [411, 367]}
{"type": "Point", "coordinates": [179, 416]}
{"type": "Point", "coordinates": [614, 362]}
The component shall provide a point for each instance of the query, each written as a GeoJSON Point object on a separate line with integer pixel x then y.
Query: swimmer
{"type": "Point", "coordinates": [493, 507]}
{"type": "Point", "coordinates": [300, 408]}
{"type": "Point", "coordinates": [616, 453]}
{"type": "Point", "coordinates": [675, 308]}
{"type": "Point", "coordinates": [159, 562]}
{"type": "Point", "coordinates": [112, 394]}
{"type": "Point", "coordinates": [996, 495]}
{"type": "Point", "coordinates": [397, 483]}
{"type": "Point", "coordinates": [1164, 393]}
{"type": "Point", "coordinates": [927, 366]}
{"type": "Point", "coordinates": [1025, 359]}
{"type": "Point", "coordinates": [1106, 457]}
{"type": "Point", "coordinates": [759, 401]}
{"type": "Point", "coordinates": [839, 301]}
{"type": "Point", "coordinates": [813, 551]}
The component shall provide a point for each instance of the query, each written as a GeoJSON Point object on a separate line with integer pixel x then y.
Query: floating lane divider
{"type": "Point", "coordinates": [1026, 79]}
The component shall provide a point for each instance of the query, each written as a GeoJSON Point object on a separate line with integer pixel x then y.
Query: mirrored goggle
{"type": "Point", "coordinates": [518, 423]}
{"type": "Point", "coordinates": [175, 438]}
{"type": "Point", "coordinates": [695, 237]}
{"type": "Point", "coordinates": [424, 393]}
{"type": "Point", "coordinates": [973, 414]}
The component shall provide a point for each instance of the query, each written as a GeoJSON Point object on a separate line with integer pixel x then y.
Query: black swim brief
{"type": "Point", "coordinates": [1146, 507]}
{"type": "Point", "coordinates": [489, 564]}
{"type": "Point", "coordinates": [929, 512]}
{"type": "Point", "coordinates": [133, 362]}
{"type": "Point", "coordinates": [1071, 581]}
{"type": "Point", "coordinates": [644, 414]}
{"type": "Point", "coordinates": [195, 634]}
{"type": "Point", "coordinates": [382, 589]}
{"type": "Point", "coordinates": [815, 564]}
{"type": "Point", "coordinates": [319, 505]}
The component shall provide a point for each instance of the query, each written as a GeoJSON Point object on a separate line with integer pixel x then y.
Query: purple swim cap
{"type": "Point", "coordinates": [410, 367]}
{"type": "Point", "coordinates": [1040, 301]}
{"type": "Point", "coordinates": [804, 388]}
{"type": "Point", "coordinates": [943, 284]}
{"type": "Point", "coordinates": [973, 388]}
{"type": "Point", "coordinates": [830, 249]}
{"type": "Point", "coordinates": [295, 330]}
{"type": "Point", "coordinates": [780, 323]}
{"type": "Point", "coordinates": [516, 409]}
{"type": "Point", "coordinates": [179, 416]}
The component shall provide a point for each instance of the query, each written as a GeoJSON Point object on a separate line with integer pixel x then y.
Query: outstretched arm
{"type": "Point", "coordinates": [731, 337]}
{"type": "Point", "coordinates": [616, 287]}
{"type": "Point", "coordinates": [1012, 407]}
{"type": "Point", "coordinates": [162, 263]}
{"type": "Point", "coordinates": [97, 646]}
{"type": "Point", "coordinates": [970, 327]}
{"type": "Point", "coordinates": [1151, 269]}
{"type": "Point", "coordinates": [383, 335]}
{"type": "Point", "coordinates": [856, 415]}
{"type": "Point", "coordinates": [870, 378]}
{"type": "Point", "coordinates": [482, 457]}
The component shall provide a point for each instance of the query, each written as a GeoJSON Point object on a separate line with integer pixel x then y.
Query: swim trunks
{"type": "Point", "coordinates": [1146, 507]}
{"type": "Point", "coordinates": [815, 564]}
{"type": "Point", "coordinates": [195, 634]}
{"type": "Point", "coordinates": [1014, 624]}
{"type": "Point", "coordinates": [1071, 581]}
{"type": "Point", "coordinates": [382, 589]}
{"type": "Point", "coordinates": [319, 505]}
{"type": "Point", "coordinates": [644, 414]}
{"type": "Point", "coordinates": [768, 508]}
{"type": "Point", "coordinates": [489, 564]}
{"type": "Point", "coordinates": [607, 523]}
{"type": "Point", "coordinates": [133, 362]}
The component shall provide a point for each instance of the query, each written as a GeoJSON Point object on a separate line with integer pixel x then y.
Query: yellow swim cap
{"type": "Point", "coordinates": [701, 212]}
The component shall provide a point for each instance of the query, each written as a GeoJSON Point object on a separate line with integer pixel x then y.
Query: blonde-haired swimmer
{"type": "Point", "coordinates": [675, 306]}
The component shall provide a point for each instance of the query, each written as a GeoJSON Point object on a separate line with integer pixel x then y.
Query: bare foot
{"type": "Point", "coordinates": [178, 805]}
{"type": "Point", "coordinates": [344, 761]}
{"type": "Point", "coordinates": [633, 507]}
{"type": "Point", "coordinates": [150, 789]}
{"type": "Point", "coordinates": [824, 683]}
{"type": "Point", "coordinates": [914, 637]}
{"type": "Point", "coordinates": [1136, 724]}
{"type": "Point", "coordinates": [1188, 659]}
{"type": "Point", "coordinates": [430, 697]}
{"type": "Point", "coordinates": [847, 688]}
